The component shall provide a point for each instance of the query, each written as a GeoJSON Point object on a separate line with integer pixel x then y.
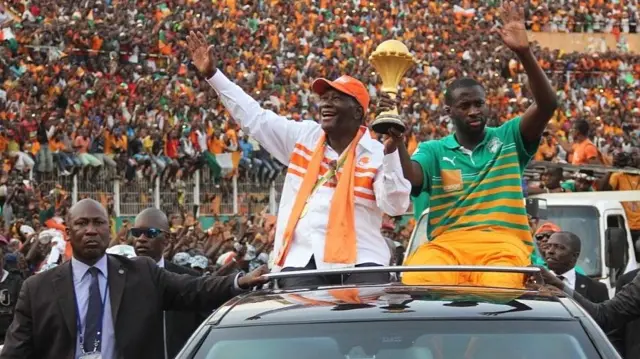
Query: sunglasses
{"type": "Point", "coordinates": [148, 232]}
{"type": "Point", "coordinates": [543, 235]}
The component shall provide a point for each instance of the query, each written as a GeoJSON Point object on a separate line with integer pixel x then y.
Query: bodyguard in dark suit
{"type": "Point", "coordinates": [151, 235]}
{"type": "Point", "coordinates": [621, 310]}
{"type": "Point", "coordinates": [626, 338]}
{"type": "Point", "coordinates": [103, 305]}
{"type": "Point", "coordinates": [563, 250]}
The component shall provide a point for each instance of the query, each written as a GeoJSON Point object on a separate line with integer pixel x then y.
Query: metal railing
{"type": "Point", "coordinates": [402, 269]}
{"type": "Point", "coordinates": [201, 195]}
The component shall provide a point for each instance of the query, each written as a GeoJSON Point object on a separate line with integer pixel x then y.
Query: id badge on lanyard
{"type": "Point", "coordinates": [95, 354]}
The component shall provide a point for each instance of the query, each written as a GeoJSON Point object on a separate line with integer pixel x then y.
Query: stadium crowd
{"type": "Point", "coordinates": [106, 88]}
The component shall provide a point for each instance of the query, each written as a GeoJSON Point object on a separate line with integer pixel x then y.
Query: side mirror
{"type": "Point", "coordinates": [536, 207]}
{"type": "Point", "coordinates": [616, 247]}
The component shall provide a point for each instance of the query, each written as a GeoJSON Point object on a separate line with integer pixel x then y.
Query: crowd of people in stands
{"type": "Point", "coordinates": [106, 87]}
{"type": "Point", "coordinates": [616, 17]}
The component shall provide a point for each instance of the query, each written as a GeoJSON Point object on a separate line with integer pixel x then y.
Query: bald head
{"type": "Point", "coordinates": [570, 239]}
{"type": "Point", "coordinates": [151, 229]}
{"type": "Point", "coordinates": [88, 229]}
{"type": "Point", "coordinates": [85, 205]}
{"type": "Point", "coordinates": [152, 218]}
{"type": "Point", "coordinates": [563, 251]}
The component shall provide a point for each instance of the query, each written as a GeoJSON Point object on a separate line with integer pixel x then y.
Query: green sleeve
{"type": "Point", "coordinates": [425, 157]}
{"type": "Point", "coordinates": [509, 132]}
{"type": "Point", "coordinates": [569, 186]}
{"type": "Point", "coordinates": [537, 260]}
{"type": "Point", "coordinates": [420, 204]}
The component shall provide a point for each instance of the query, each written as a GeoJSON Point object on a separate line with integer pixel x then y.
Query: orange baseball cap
{"type": "Point", "coordinates": [345, 84]}
{"type": "Point", "coordinates": [548, 228]}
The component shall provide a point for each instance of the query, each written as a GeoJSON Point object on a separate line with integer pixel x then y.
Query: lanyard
{"type": "Point", "coordinates": [329, 174]}
{"type": "Point", "coordinates": [332, 172]}
{"type": "Point", "coordinates": [99, 333]}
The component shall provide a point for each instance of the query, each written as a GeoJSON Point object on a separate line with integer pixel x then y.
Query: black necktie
{"type": "Point", "coordinates": [94, 313]}
{"type": "Point", "coordinates": [561, 277]}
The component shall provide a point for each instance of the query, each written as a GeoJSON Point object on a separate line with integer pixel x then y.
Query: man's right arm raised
{"type": "Point", "coordinates": [275, 133]}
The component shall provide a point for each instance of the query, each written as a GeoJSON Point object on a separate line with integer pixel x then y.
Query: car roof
{"type": "Point", "coordinates": [388, 302]}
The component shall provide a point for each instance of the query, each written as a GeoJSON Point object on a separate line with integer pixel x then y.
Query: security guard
{"type": "Point", "coordinates": [10, 284]}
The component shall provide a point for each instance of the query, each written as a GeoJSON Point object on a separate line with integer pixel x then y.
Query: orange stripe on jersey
{"type": "Point", "coordinates": [299, 160]}
{"type": "Point", "coordinates": [304, 149]}
{"type": "Point", "coordinates": [295, 172]}
{"type": "Point", "coordinates": [364, 195]}
{"type": "Point", "coordinates": [366, 170]}
{"type": "Point", "coordinates": [365, 182]}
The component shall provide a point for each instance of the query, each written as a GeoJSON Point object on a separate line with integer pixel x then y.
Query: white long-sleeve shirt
{"type": "Point", "coordinates": [380, 185]}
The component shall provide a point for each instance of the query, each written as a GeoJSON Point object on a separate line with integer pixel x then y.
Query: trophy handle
{"type": "Point", "coordinates": [393, 93]}
{"type": "Point", "coordinates": [386, 120]}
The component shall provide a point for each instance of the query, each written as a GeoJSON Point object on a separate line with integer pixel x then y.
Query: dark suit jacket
{"type": "Point", "coordinates": [625, 338]}
{"type": "Point", "coordinates": [181, 324]}
{"type": "Point", "coordinates": [44, 325]}
{"type": "Point", "coordinates": [591, 289]}
{"type": "Point", "coordinates": [623, 308]}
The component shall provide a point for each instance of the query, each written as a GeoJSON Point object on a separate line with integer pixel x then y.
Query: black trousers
{"type": "Point", "coordinates": [326, 280]}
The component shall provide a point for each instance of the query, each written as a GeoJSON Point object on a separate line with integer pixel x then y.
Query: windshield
{"type": "Point", "coordinates": [420, 235]}
{"type": "Point", "coordinates": [581, 220]}
{"type": "Point", "coordinates": [584, 222]}
{"type": "Point", "coordinates": [446, 339]}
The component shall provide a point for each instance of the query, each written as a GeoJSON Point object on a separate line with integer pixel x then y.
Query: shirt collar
{"type": "Point", "coordinates": [161, 262]}
{"type": "Point", "coordinates": [451, 143]}
{"type": "Point", "coordinates": [569, 277]}
{"type": "Point", "coordinates": [80, 269]}
{"type": "Point", "coordinates": [367, 141]}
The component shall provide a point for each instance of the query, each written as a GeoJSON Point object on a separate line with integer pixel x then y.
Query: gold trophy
{"type": "Point", "coordinates": [392, 60]}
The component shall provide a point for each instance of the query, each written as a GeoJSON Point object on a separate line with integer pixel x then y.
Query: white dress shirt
{"type": "Point", "coordinates": [568, 278]}
{"type": "Point", "coordinates": [81, 284]}
{"type": "Point", "coordinates": [384, 189]}
{"type": "Point", "coordinates": [164, 319]}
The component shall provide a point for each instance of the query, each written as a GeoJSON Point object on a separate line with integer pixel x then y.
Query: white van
{"type": "Point", "coordinates": [598, 218]}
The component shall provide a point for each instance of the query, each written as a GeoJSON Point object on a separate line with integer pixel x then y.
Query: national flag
{"type": "Point", "coordinates": [90, 20]}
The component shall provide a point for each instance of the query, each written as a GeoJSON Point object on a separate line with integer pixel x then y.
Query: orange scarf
{"type": "Point", "coordinates": [340, 242]}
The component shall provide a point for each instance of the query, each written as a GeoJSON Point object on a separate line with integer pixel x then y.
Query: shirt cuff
{"type": "Point", "coordinates": [218, 80]}
{"type": "Point", "coordinates": [391, 163]}
{"type": "Point", "coordinates": [236, 284]}
{"type": "Point", "coordinates": [568, 291]}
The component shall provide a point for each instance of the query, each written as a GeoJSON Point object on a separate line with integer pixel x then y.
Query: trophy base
{"type": "Point", "coordinates": [385, 121]}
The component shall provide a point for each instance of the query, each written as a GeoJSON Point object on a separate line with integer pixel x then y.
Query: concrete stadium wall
{"type": "Point", "coordinates": [580, 42]}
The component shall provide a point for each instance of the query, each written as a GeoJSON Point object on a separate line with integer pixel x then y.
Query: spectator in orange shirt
{"type": "Point", "coordinates": [64, 162]}
{"type": "Point", "coordinates": [583, 151]}
{"type": "Point", "coordinates": [81, 143]}
{"type": "Point", "coordinates": [621, 181]}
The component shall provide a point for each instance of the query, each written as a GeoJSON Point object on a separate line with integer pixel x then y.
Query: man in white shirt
{"type": "Point", "coordinates": [562, 253]}
{"type": "Point", "coordinates": [317, 229]}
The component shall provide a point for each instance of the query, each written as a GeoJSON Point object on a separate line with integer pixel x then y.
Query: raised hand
{"type": "Point", "coordinates": [394, 137]}
{"type": "Point", "coordinates": [513, 31]}
{"type": "Point", "coordinates": [385, 103]}
{"type": "Point", "coordinates": [202, 54]}
{"type": "Point", "coordinates": [392, 141]}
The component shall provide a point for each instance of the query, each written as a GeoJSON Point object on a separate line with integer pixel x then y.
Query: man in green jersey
{"type": "Point", "coordinates": [474, 176]}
